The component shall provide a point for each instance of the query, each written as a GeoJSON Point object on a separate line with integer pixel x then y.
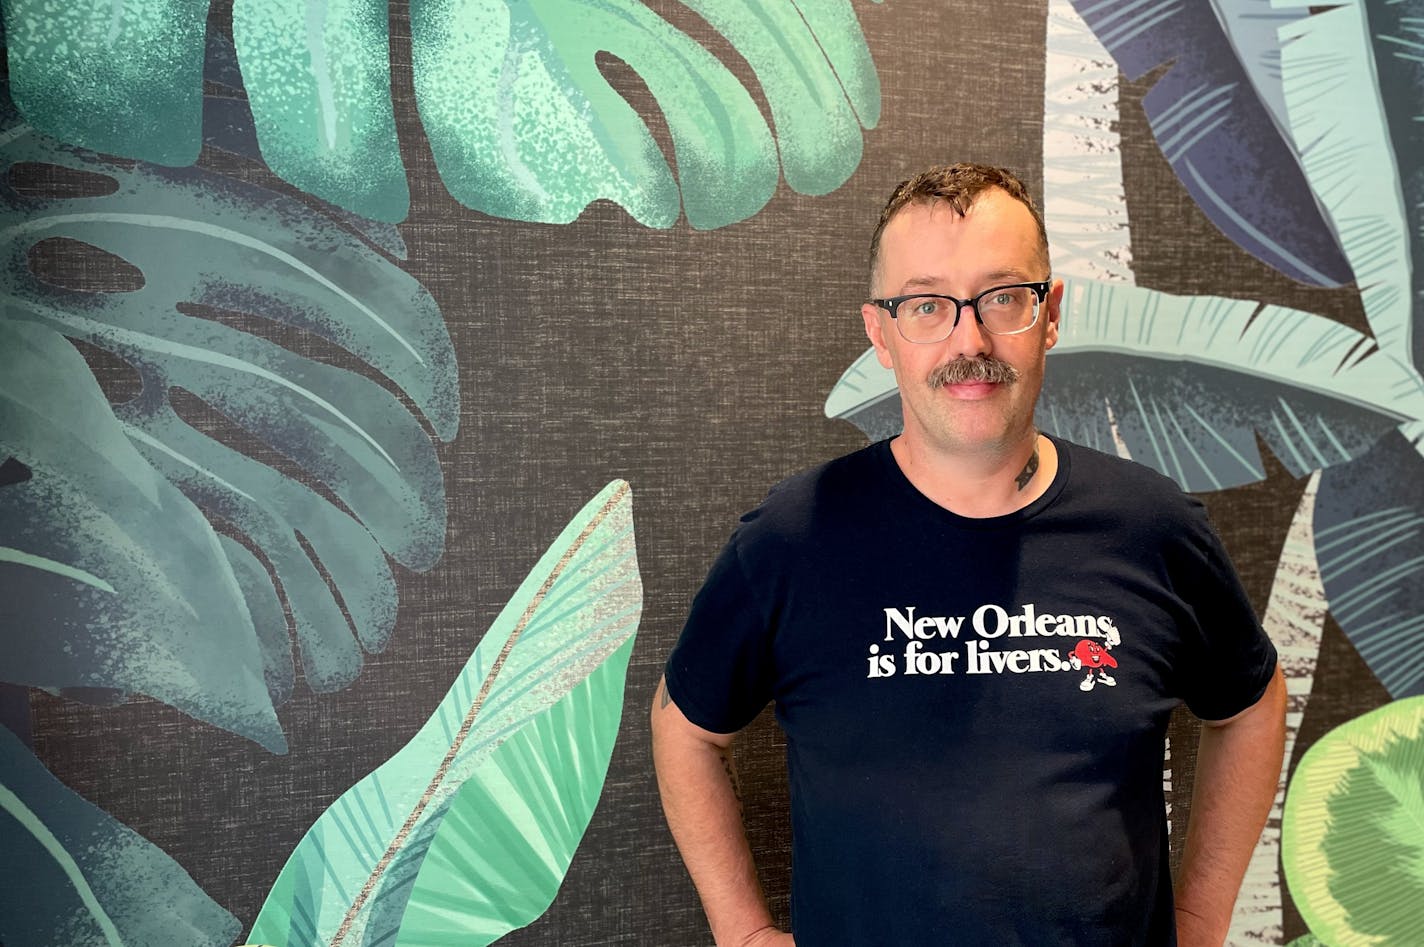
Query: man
{"type": "Point", "coordinates": [974, 635]}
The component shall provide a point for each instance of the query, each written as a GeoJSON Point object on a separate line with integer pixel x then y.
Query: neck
{"type": "Point", "coordinates": [980, 484]}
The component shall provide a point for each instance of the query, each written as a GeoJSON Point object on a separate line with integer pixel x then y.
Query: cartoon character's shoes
{"type": "Point", "coordinates": [1107, 678]}
{"type": "Point", "coordinates": [1086, 684]}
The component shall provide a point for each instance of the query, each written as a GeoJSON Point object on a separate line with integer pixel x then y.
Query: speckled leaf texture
{"type": "Point", "coordinates": [203, 240]}
{"type": "Point", "coordinates": [523, 124]}
{"type": "Point", "coordinates": [72, 875]}
{"type": "Point", "coordinates": [518, 114]}
{"type": "Point", "coordinates": [466, 832]}
{"type": "Point", "coordinates": [119, 77]}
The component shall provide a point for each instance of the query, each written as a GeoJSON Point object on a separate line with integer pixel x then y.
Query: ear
{"type": "Point", "coordinates": [1053, 306]}
{"type": "Point", "coordinates": [875, 331]}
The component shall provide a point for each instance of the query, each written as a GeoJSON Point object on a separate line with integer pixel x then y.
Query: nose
{"type": "Point", "coordinates": [968, 339]}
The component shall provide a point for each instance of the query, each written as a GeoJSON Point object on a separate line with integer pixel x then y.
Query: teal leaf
{"type": "Point", "coordinates": [1185, 385]}
{"type": "Point", "coordinates": [318, 80]}
{"type": "Point", "coordinates": [1212, 126]}
{"type": "Point", "coordinates": [516, 728]}
{"type": "Point", "coordinates": [1353, 831]}
{"type": "Point", "coordinates": [1365, 176]}
{"type": "Point", "coordinates": [498, 857]}
{"type": "Point", "coordinates": [73, 875]}
{"type": "Point", "coordinates": [522, 123]}
{"type": "Point", "coordinates": [199, 238]}
{"type": "Point", "coordinates": [111, 577]}
{"type": "Point", "coordinates": [1369, 537]}
{"type": "Point", "coordinates": [124, 78]}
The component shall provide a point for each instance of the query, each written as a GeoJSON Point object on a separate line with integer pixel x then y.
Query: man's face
{"type": "Point", "coordinates": [930, 248]}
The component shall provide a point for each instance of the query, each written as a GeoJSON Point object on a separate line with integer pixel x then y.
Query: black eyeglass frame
{"type": "Point", "coordinates": [892, 305]}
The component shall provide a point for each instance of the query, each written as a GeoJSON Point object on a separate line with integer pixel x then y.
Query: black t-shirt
{"type": "Point", "coordinates": [975, 709]}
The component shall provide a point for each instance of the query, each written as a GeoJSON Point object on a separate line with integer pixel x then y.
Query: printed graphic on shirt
{"type": "Point", "coordinates": [993, 641]}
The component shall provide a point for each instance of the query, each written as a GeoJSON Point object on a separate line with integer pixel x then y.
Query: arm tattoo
{"type": "Point", "coordinates": [1029, 470]}
{"type": "Point", "coordinates": [731, 767]}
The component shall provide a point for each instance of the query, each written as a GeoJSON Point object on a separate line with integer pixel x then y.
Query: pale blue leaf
{"type": "Point", "coordinates": [1355, 166]}
{"type": "Point", "coordinates": [1187, 384]}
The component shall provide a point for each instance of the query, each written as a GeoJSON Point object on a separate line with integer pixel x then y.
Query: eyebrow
{"type": "Point", "coordinates": [931, 282]}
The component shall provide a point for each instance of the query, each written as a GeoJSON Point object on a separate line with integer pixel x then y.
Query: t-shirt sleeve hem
{"type": "Point", "coordinates": [1216, 714]}
{"type": "Point", "coordinates": [691, 710]}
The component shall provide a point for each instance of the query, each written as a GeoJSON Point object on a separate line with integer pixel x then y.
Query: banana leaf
{"type": "Point", "coordinates": [1185, 384]}
{"type": "Point", "coordinates": [1369, 517]}
{"type": "Point", "coordinates": [1213, 127]}
{"type": "Point", "coordinates": [1084, 207]}
{"type": "Point", "coordinates": [467, 831]}
{"type": "Point", "coordinates": [1353, 836]}
{"type": "Point", "coordinates": [1346, 104]}
{"type": "Point", "coordinates": [73, 875]}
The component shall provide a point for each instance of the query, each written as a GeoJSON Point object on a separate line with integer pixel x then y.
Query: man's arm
{"type": "Point", "coordinates": [698, 783]}
{"type": "Point", "coordinates": [1238, 771]}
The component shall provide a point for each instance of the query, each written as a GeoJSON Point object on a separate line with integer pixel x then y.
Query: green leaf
{"type": "Point", "coordinates": [200, 238]}
{"type": "Point", "coordinates": [111, 577]}
{"type": "Point", "coordinates": [121, 77]}
{"type": "Point", "coordinates": [318, 77]}
{"type": "Point", "coordinates": [1185, 384]}
{"type": "Point", "coordinates": [1341, 131]}
{"type": "Point", "coordinates": [517, 112]}
{"type": "Point", "coordinates": [1353, 834]}
{"type": "Point", "coordinates": [522, 123]}
{"type": "Point", "coordinates": [73, 875]}
{"type": "Point", "coordinates": [500, 854]}
{"type": "Point", "coordinates": [525, 707]}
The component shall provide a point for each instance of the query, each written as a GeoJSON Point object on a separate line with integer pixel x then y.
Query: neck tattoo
{"type": "Point", "coordinates": [1030, 468]}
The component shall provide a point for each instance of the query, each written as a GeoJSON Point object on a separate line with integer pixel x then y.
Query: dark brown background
{"type": "Point", "coordinates": [603, 350]}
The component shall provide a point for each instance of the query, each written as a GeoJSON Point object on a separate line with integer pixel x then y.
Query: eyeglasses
{"type": "Point", "coordinates": [931, 317]}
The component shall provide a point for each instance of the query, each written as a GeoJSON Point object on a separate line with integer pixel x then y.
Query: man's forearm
{"type": "Point", "coordinates": [697, 781]}
{"type": "Point", "coordinates": [1238, 771]}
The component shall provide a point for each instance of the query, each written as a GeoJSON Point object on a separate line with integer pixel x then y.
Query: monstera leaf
{"type": "Point", "coordinates": [1214, 126]}
{"type": "Point", "coordinates": [467, 831]}
{"type": "Point", "coordinates": [1369, 517]}
{"type": "Point", "coordinates": [112, 578]}
{"type": "Point", "coordinates": [73, 875]}
{"type": "Point", "coordinates": [1353, 835]}
{"type": "Point", "coordinates": [200, 239]}
{"type": "Point", "coordinates": [1185, 384]}
{"type": "Point", "coordinates": [1355, 97]}
{"type": "Point", "coordinates": [520, 119]}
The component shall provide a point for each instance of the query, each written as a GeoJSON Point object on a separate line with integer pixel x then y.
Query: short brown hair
{"type": "Point", "coordinates": [956, 185]}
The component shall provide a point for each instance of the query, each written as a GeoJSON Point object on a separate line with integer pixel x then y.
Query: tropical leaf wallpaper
{"type": "Point", "coordinates": [337, 337]}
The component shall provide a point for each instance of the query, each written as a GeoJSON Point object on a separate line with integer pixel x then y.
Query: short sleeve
{"type": "Point", "coordinates": [720, 672]}
{"type": "Point", "coordinates": [1228, 658]}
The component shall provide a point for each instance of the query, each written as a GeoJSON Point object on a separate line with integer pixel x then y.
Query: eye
{"type": "Point", "coordinates": [925, 307]}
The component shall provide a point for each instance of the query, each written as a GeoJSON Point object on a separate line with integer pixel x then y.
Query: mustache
{"type": "Point", "coordinates": [980, 369]}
